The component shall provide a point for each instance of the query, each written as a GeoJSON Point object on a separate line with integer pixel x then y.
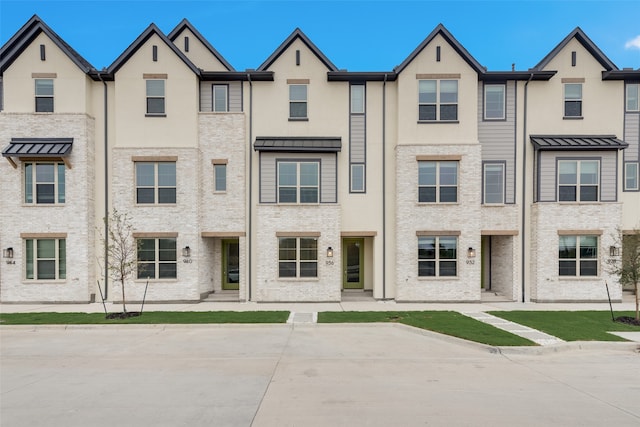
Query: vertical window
{"type": "Point", "coordinates": [578, 180]}
{"type": "Point", "coordinates": [155, 97]}
{"type": "Point", "coordinates": [155, 182]}
{"type": "Point", "coordinates": [44, 183]}
{"type": "Point", "coordinates": [631, 176]}
{"type": "Point", "coordinates": [357, 178]}
{"type": "Point", "coordinates": [44, 95]}
{"type": "Point", "coordinates": [298, 182]}
{"type": "Point", "coordinates": [573, 100]}
{"type": "Point", "coordinates": [437, 181]}
{"type": "Point", "coordinates": [494, 183]}
{"type": "Point", "coordinates": [220, 177]}
{"type": "Point", "coordinates": [434, 105]}
{"type": "Point", "coordinates": [437, 256]}
{"type": "Point", "coordinates": [494, 102]}
{"type": "Point", "coordinates": [298, 101]}
{"type": "Point", "coordinates": [357, 99]}
{"type": "Point", "coordinates": [297, 257]}
{"type": "Point", "coordinates": [45, 259]}
{"type": "Point", "coordinates": [220, 98]}
{"type": "Point", "coordinates": [633, 97]}
{"type": "Point", "coordinates": [578, 256]}
{"type": "Point", "coordinates": [157, 258]}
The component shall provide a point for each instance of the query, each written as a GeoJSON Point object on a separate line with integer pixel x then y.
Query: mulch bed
{"type": "Point", "coordinates": [628, 320]}
{"type": "Point", "coordinates": [123, 315]}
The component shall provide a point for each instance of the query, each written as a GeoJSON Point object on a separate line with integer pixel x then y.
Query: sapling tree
{"type": "Point", "coordinates": [121, 250]}
{"type": "Point", "coordinates": [628, 267]}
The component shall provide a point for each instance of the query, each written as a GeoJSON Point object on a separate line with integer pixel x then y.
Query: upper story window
{"type": "Point", "coordinates": [578, 180]}
{"type": "Point", "coordinates": [297, 257]}
{"type": "Point", "coordinates": [357, 178]}
{"type": "Point", "coordinates": [437, 181]}
{"type": "Point", "coordinates": [494, 102]}
{"type": "Point", "coordinates": [220, 98]}
{"type": "Point", "coordinates": [44, 95]}
{"type": "Point", "coordinates": [155, 182]}
{"type": "Point", "coordinates": [357, 99]}
{"type": "Point", "coordinates": [437, 256]}
{"type": "Point", "coordinates": [157, 258]}
{"type": "Point", "coordinates": [437, 100]}
{"type": "Point", "coordinates": [297, 101]}
{"type": "Point", "coordinates": [298, 182]}
{"type": "Point", "coordinates": [155, 97]}
{"type": "Point", "coordinates": [573, 100]}
{"type": "Point", "coordinates": [45, 259]}
{"type": "Point", "coordinates": [493, 181]}
{"type": "Point", "coordinates": [44, 183]}
{"type": "Point", "coordinates": [631, 176]}
{"type": "Point", "coordinates": [578, 256]}
{"type": "Point", "coordinates": [220, 177]}
{"type": "Point", "coordinates": [633, 97]}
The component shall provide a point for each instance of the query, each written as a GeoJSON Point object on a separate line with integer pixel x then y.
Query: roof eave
{"type": "Point", "coordinates": [186, 24]}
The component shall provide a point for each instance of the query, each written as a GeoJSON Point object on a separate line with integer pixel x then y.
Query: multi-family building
{"type": "Point", "coordinates": [437, 180]}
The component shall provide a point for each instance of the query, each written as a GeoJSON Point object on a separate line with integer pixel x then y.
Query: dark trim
{"type": "Point", "coordinates": [624, 74]}
{"type": "Point", "coordinates": [297, 34]}
{"type": "Point", "coordinates": [43, 53]}
{"type": "Point", "coordinates": [298, 144]}
{"type": "Point", "coordinates": [155, 53]}
{"type": "Point", "coordinates": [504, 182]}
{"type": "Point", "coordinates": [38, 147]}
{"type": "Point", "coordinates": [185, 24]}
{"type": "Point", "coordinates": [577, 142]}
{"type": "Point", "coordinates": [232, 76]}
{"type": "Point", "coordinates": [359, 76]}
{"type": "Point", "coordinates": [484, 100]}
{"type": "Point", "coordinates": [586, 42]}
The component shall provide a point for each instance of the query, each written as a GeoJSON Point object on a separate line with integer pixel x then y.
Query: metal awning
{"type": "Point", "coordinates": [38, 147]}
{"type": "Point", "coordinates": [577, 142]}
{"type": "Point", "coordinates": [298, 144]}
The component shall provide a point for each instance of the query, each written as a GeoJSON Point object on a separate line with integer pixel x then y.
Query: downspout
{"type": "Point", "coordinates": [106, 189]}
{"type": "Point", "coordinates": [524, 188]}
{"type": "Point", "coordinates": [250, 228]}
{"type": "Point", "coordinates": [384, 190]}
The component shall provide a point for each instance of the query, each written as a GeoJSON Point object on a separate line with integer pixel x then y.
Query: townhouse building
{"type": "Point", "coordinates": [435, 181]}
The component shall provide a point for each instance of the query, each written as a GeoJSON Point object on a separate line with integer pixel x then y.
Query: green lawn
{"type": "Point", "coordinates": [445, 322]}
{"type": "Point", "coordinates": [572, 325]}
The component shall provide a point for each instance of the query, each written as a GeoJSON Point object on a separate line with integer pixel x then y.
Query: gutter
{"type": "Point", "coordinates": [106, 188]}
{"type": "Point", "coordinates": [250, 228]}
{"type": "Point", "coordinates": [384, 190]}
{"type": "Point", "coordinates": [524, 188]}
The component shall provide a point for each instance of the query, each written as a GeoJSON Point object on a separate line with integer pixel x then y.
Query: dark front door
{"type": "Point", "coordinates": [353, 263]}
{"type": "Point", "coordinates": [230, 264]}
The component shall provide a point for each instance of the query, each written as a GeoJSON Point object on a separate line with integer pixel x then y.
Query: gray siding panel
{"type": "Point", "coordinates": [357, 152]}
{"type": "Point", "coordinates": [234, 94]}
{"type": "Point", "coordinates": [497, 137]}
{"type": "Point", "coordinates": [235, 97]}
{"type": "Point", "coordinates": [632, 136]}
{"type": "Point", "coordinates": [608, 181]}
{"type": "Point", "coordinates": [547, 176]}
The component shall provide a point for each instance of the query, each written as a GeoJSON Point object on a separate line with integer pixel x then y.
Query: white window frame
{"type": "Point", "coordinates": [632, 97]}
{"type": "Point", "coordinates": [157, 187]}
{"type": "Point", "coordinates": [631, 175]}
{"type": "Point", "coordinates": [488, 113]}
{"type": "Point", "coordinates": [307, 257]}
{"type": "Point", "coordinates": [219, 177]}
{"type": "Point", "coordinates": [438, 182]}
{"type": "Point", "coordinates": [438, 260]}
{"type": "Point", "coordinates": [299, 187]}
{"type": "Point", "coordinates": [358, 100]}
{"type": "Point", "coordinates": [157, 262]}
{"type": "Point", "coordinates": [40, 94]}
{"type": "Point", "coordinates": [31, 183]}
{"type": "Point", "coordinates": [32, 258]}
{"type": "Point", "coordinates": [155, 96]}
{"type": "Point", "coordinates": [579, 258]}
{"type": "Point", "coordinates": [486, 183]}
{"type": "Point", "coordinates": [438, 103]}
{"type": "Point", "coordinates": [223, 92]}
{"type": "Point", "coordinates": [298, 99]}
{"type": "Point", "coordinates": [579, 185]}
{"type": "Point", "coordinates": [572, 99]}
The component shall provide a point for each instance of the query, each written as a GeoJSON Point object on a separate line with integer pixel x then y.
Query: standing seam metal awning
{"type": "Point", "coordinates": [38, 147]}
{"type": "Point", "coordinates": [577, 142]}
{"type": "Point", "coordinates": [298, 144]}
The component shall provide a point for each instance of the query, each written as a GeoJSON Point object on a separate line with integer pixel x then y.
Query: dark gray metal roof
{"type": "Point", "coordinates": [298, 144]}
{"type": "Point", "coordinates": [38, 147]}
{"type": "Point", "coordinates": [577, 142]}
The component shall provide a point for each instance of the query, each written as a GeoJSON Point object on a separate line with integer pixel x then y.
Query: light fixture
{"type": "Point", "coordinates": [614, 251]}
{"type": "Point", "coordinates": [7, 253]}
{"type": "Point", "coordinates": [471, 253]}
{"type": "Point", "coordinates": [186, 252]}
{"type": "Point", "coordinates": [329, 252]}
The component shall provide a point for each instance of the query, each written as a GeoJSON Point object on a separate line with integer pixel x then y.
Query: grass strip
{"type": "Point", "coordinates": [148, 317]}
{"type": "Point", "coordinates": [572, 325]}
{"type": "Point", "coordinates": [445, 322]}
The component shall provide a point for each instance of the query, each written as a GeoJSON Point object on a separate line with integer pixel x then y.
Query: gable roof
{"type": "Point", "coordinates": [25, 35]}
{"type": "Point", "coordinates": [185, 24]}
{"type": "Point", "coordinates": [297, 34]}
{"type": "Point", "coordinates": [586, 42]}
{"type": "Point", "coordinates": [441, 30]}
{"type": "Point", "coordinates": [151, 30]}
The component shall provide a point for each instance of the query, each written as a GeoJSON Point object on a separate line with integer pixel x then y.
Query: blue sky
{"type": "Point", "coordinates": [358, 35]}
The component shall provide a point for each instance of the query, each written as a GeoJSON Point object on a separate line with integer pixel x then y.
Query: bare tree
{"type": "Point", "coordinates": [628, 267]}
{"type": "Point", "coordinates": [121, 250]}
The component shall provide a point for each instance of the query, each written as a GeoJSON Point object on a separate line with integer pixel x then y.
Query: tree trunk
{"type": "Point", "coordinates": [637, 301]}
{"type": "Point", "coordinates": [124, 306]}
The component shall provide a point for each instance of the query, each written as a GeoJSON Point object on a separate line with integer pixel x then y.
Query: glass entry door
{"type": "Point", "coordinates": [353, 264]}
{"type": "Point", "coordinates": [230, 264]}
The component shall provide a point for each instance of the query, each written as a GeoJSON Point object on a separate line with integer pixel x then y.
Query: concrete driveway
{"type": "Point", "coordinates": [301, 375]}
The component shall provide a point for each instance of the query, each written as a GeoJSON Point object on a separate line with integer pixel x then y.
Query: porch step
{"type": "Point", "coordinates": [356, 295]}
{"type": "Point", "coordinates": [223, 296]}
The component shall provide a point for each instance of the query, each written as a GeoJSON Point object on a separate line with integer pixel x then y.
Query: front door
{"type": "Point", "coordinates": [230, 264]}
{"type": "Point", "coordinates": [353, 263]}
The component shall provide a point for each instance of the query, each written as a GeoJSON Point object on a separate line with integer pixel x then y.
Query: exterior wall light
{"type": "Point", "coordinates": [186, 252]}
{"type": "Point", "coordinates": [7, 253]}
{"type": "Point", "coordinates": [614, 251]}
{"type": "Point", "coordinates": [329, 252]}
{"type": "Point", "coordinates": [471, 253]}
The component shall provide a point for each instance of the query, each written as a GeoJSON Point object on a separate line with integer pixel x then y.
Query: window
{"type": "Point", "coordinates": [494, 107]}
{"type": "Point", "coordinates": [633, 97]}
{"type": "Point", "coordinates": [155, 182]}
{"type": "Point", "coordinates": [44, 183]}
{"type": "Point", "coordinates": [573, 100]}
{"type": "Point", "coordinates": [357, 99]}
{"type": "Point", "coordinates": [437, 256]}
{"type": "Point", "coordinates": [631, 176]}
{"type": "Point", "coordinates": [437, 181]}
{"type": "Point", "coordinates": [434, 105]}
{"type": "Point", "coordinates": [298, 101]}
{"type": "Point", "coordinates": [298, 257]}
{"type": "Point", "coordinates": [155, 97]}
{"type": "Point", "coordinates": [298, 182]}
{"type": "Point", "coordinates": [220, 177]}
{"type": "Point", "coordinates": [157, 258]}
{"type": "Point", "coordinates": [578, 180]}
{"type": "Point", "coordinates": [44, 95]}
{"type": "Point", "coordinates": [493, 183]}
{"type": "Point", "coordinates": [45, 259]}
{"type": "Point", "coordinates": [357, 178]}
{"type": "Point", "coordinates": [578, 256]}
{"type": "Point", "coordinates": [220, 98]}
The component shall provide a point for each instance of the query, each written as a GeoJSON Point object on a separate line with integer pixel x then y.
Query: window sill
{"type": "Point", "coordinates": [155, 115]}
{"type": "Point", "coordinates": [494, 205]}
{"type": "Point", "coordinates": [299, 279]}
{"type": "Point", "coordinates": [438, 121]}
{"type": "Point", "coordinates": [44, 282]}
{"type": "Point", "coordinates": [151, 205]}
{"type": "Point", "coordinates": [43, 205]}
{"type": "Point", "coordinates": [298, 119]}
{"type": "Point", "coordinates": [573, 118]}
{"type": "Point", "coordinates": [502, 119]}
{"type": "Point", "coordinates": [156, 280]}
{"type": "Point", "coordinates": [438, 203]}
{"type": "Point", "coordinates": [578, 278]}
{"type": "Point", "coordinates": [44, 112]}
{"type": "Point", "coordinates": [298, 204]}
{"type": "Point", "coordinates": [437, 278]}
